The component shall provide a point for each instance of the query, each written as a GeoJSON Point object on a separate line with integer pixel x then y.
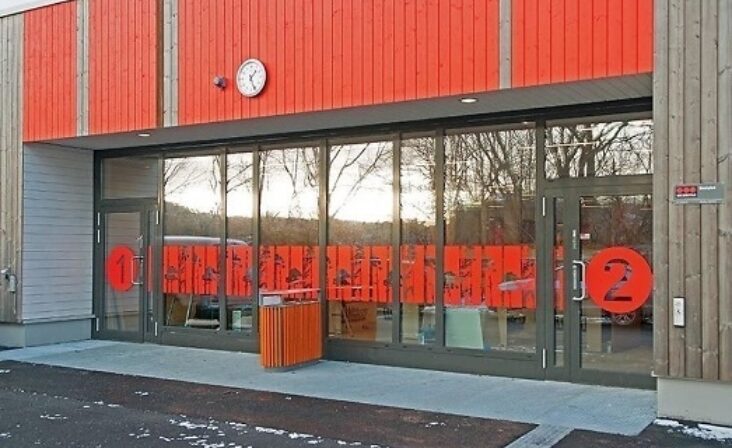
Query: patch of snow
{"type": "Point", "coordinates": [295, 435]}
{"type": "Point", "coordinates": [667, 423]}
{"type": "Point", "coordinates": [5, 435]}
{"type": "Point", "coordinates": [701, 431]}
{"type": "Point", "coordinates": [278, 432]}
{"type": "Point", "coordinates": [188, 425]}
{"type": "Point", "coordinates": [111, 405]}
{"type": "Point", "coordinates": [53, 417]}
{"type": "Point", "coordinates": [141, 393]}
{"type": "Point", "coordinates": [4, 371]}
{"type": "Point", "coordinates": [237, 426]}
{"type": "Point", "coordinates": [711, 432]}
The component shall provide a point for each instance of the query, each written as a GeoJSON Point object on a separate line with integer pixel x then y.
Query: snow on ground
{"type": "Point", "coordinates": [701, 430]}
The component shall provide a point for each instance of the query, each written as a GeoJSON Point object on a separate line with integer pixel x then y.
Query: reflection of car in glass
{"type": "Point", "coordinates": [527, 286]}
{"type": "Point", "coordinates": [202, 310]}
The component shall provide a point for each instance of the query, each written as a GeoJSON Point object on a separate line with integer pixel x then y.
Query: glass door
{"type": "Point", "coordinates": [124, 305]}
{"type": "Point", "coordinates": [601, 324]}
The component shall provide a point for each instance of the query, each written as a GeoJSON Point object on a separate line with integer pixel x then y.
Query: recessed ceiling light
{"type": "Point", "coordinates": [468, 100]}
{"type": "Point", "coordinates": [143, 134]}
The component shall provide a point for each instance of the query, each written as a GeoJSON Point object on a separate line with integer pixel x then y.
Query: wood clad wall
{"type": "Point", "coordinates": [327, 54]}
{"type": "Point", "coordinates": [11, 69]}
{"type": "Point", "coordinates": [123, 65]}
{"type": "Point", "coordinates": [693, 141]}
{"type": "Point", "coordinates": [568, 40]}
{"type": "Point", "coordinates": [50, 72]}
{"type": "Point", "coordinates": [147, 63]}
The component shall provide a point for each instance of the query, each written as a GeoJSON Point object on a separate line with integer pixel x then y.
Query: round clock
{"type": "Point", "coordinates": [251, 77]}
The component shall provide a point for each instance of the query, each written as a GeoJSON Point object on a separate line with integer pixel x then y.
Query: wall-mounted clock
{"type": "Point", "coordinates": [251, 78]}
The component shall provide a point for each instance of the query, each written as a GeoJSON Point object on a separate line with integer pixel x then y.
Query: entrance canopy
{"type": "Point", "coordinates": [510, 104]}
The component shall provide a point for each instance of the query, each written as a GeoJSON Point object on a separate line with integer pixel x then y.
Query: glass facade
{"type": "Point", "coordinates": [192, 229]}
{"type": "Point", "coordinates": [239, 272]}
{"type": "Point", "coordinates": [417, 251]}
{"type": "Point", "coordinates": [359, 252]}
{"type": "Point", "coordinates": [428, 241]}
{"type": "Point", "coordinates": [490, 251]}
{"type": "Point", "coordinates": [289, 262]}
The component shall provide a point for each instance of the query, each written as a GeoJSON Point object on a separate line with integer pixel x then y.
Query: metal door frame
{"type": "Point", "coordinates": [570, 191]}
{"type": "Point", "coordinates": [147, 209]}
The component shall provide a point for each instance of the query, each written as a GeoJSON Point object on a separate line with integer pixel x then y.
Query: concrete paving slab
{"type": "Point", "coordinates": [575, 406]}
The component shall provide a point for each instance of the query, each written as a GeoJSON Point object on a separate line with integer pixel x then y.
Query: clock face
{"type": "Point", "coordinates": [251, 78]}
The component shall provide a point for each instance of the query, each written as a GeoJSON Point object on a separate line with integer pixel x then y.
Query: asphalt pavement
{"type": "Point", "coordinates": [61, 407]}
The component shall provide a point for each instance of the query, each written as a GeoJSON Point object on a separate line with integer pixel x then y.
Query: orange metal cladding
{"type": "Point", "coordinates": [49, 84]}
{"type": "Point", "coordinates": [328, 54]}
{"type": "Point", "coordinates": [290, 334]}
{"type": "Point", "coordinates": [123, 65]}
{"type": "Point", "coordinates": [567, 40]}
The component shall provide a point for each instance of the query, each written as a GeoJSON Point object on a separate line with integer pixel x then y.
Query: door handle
{"type": "Point", "coordinates": [580, 284]}
{"type": "Point", "coordinates": [136, 276]}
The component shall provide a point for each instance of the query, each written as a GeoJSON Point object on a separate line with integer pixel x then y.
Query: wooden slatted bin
{"type": "Point", "coordinates": [290, 334]}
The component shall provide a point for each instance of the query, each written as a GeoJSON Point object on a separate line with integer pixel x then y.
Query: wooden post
{"type": "Point", "coordinates": [709, 231]}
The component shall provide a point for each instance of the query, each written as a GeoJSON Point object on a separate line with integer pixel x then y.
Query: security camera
{"type": "Point", "coordinates": [5, 272]}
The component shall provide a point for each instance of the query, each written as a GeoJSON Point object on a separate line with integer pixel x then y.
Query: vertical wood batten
{"type": "Point", "coordinates": [170, 63]}
{"type": "Point", "coordinates": [677, 351]}
{"type": "Point", "coordinates": [11, 160]}
{"type": "Point", "coordinates": [709, 223]}
{"type": "Point", "coordinates": [724, 108]}
{"type": "Point", "coordinates": [82, 67]}
{"type": "Point", "coordinates": [692, 174]}
{"type": "Point", "coordinates": [505, 44]}
{"type": "Point", "coordinates": [661, 296]}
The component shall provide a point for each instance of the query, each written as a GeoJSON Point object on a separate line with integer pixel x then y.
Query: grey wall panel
{"type": "Point", "coordinates": [11, 159]}
{"type": "Point", "coordinates": [57, 232]}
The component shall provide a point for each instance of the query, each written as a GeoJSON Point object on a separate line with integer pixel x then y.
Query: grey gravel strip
{"type": "Point", "coordinates": [542, 436]}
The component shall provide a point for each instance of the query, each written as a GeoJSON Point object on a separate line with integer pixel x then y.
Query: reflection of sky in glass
{"type": "Point", "coordinates": [291, 192]}
{"type": "Point", "coordinates": [361, 182]}
{"type": "Point", "coordinates": [193, 182]}
{"type": "Point", "coordinates": [417, 190]}
{"type": "Point", "coordinates": [239, 202]}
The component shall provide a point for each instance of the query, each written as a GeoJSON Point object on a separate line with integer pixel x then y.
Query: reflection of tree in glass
{"type": "Point", "coordinates": [599, 149]}
{"type": "Point", "coordinates": [618, 221]}
{"type": "Point", "coordinates": [239, 173]}
{"type": "Point", "coordinates": [192, 196]}
{"type": "Point", "coordinates": [289, 196]}
{"type": "Point", "coordinates": [418, 197]}
{"type": "Point", "coordinates": [299, 166]}
{"type": "Point", "coordinates": [490, 186]}
{"type": "Point", "coordinates": [181, 174]}
{"type": "Point", "coordinates": [352, 165]}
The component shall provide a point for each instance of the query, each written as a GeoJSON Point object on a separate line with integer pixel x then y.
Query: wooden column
{"type": "Point", "coordinates": [693, 141]}
{"type": "Point", "coordinates": [11, 160]}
